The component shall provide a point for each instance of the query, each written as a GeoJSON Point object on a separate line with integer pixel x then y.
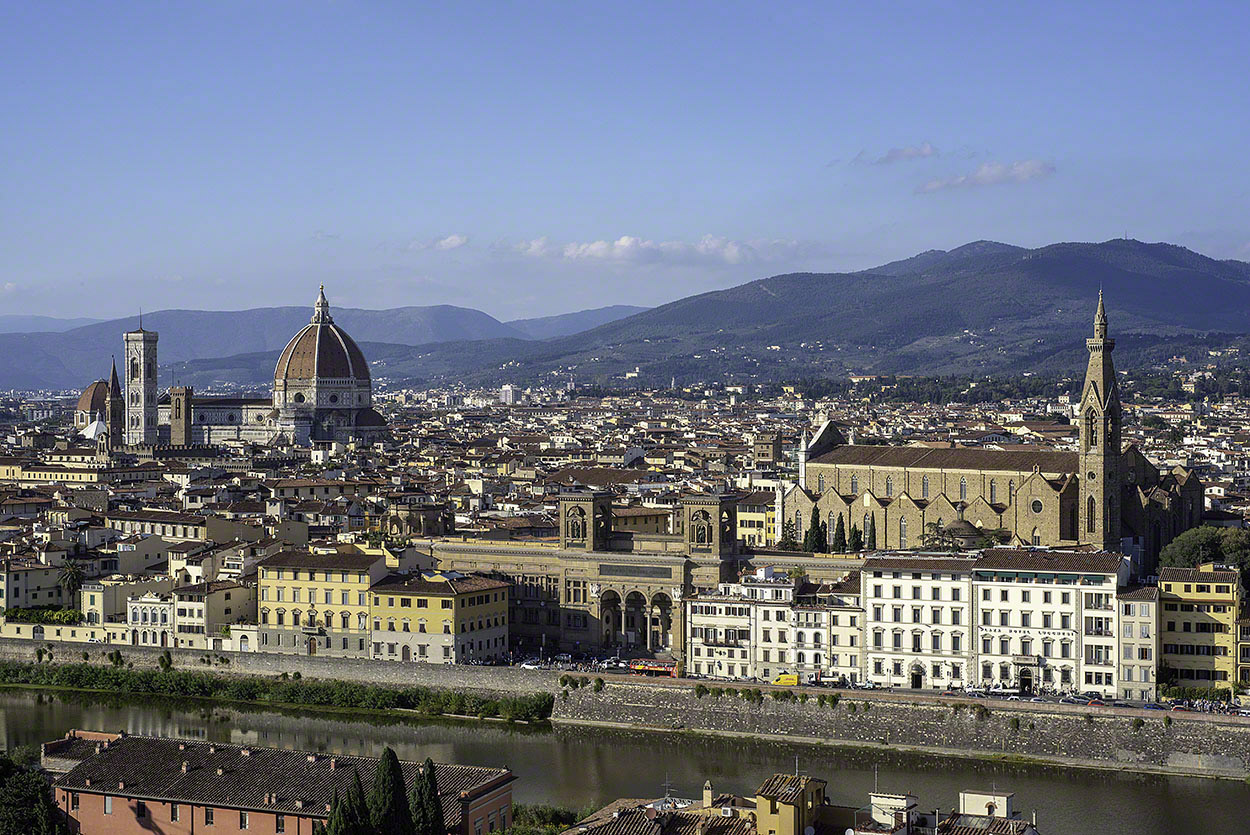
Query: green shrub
{"type": "Point", "coordinates": [599, 685]}
{"type": "Point", "coordinates": [282, 689]}
{"type": "Point", "coordinates": [699, 690]}
{"type": "Point", "coordinates": [1138, 723]}
{"type": "Point", "coordinates": [1015, 723]}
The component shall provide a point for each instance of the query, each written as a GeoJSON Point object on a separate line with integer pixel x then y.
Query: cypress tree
{"type": "Point", "coordinates": [356, 813]}
{"type": "Point", "coordinates": [435, 803]}
{"type": "Point", "coordinates": [388, 802]}
{"type": "Point", "coordinates": [871, 536]}
{"type": "Point", "coordinates": [418, 806]}
{"type": "Point", "coordinates": [838, 546]}
{"type": "Point", "coordinates": [855, 542]}
{"type": "Point", "coordinates": [822, 541]}
{"type": "Point", "coordinates": [811, 539]}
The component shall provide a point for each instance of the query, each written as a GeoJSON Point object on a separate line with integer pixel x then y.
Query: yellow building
{"type": "Point", "coordinates": [317, 603]}
{"type": "Point", "coordinates": [784, 804]}
{"type": "Point", "coordinates": [439, 617]}
{"type": "Point", "coordinates": [1198, 624]}
{"type": "Point", "coordinates": [757, 519]}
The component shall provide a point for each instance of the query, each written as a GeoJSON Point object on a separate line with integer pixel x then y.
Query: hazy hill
{"type": "Point", "coordinates": [71, 356]}
{"type": "Point", "coordinates": [565, 324]}
{"type": "Point", "coordinates": [983, 307]}
{"type": "Point", "coordinates": [15, 323]}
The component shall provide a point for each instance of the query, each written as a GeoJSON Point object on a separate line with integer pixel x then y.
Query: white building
{"type": "Point", "coordinates": [918, 622]}
{"type": "Point", "coordinates": [1046, 619]}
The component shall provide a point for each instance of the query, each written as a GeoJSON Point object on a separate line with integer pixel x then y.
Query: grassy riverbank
{"type": "Point", "coordinates": [277, 692]}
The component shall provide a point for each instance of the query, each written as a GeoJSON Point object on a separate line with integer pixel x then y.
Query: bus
{"type": "Point", "coordinates": [654, 667]}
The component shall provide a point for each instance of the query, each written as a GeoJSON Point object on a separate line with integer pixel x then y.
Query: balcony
{"type": "Point", "coordinates": [1095, 632]}
{"type": "Point", "coordinates": [1100, 662]}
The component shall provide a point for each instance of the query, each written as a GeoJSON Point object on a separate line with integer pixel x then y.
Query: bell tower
{"type": "Point", "coordinates": [1099, 434]}
{"type": "Point", "coordinates": [140, 360]}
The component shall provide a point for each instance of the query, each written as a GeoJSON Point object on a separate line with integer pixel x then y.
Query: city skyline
{"type": "Point", "coordinates": [528, 163]}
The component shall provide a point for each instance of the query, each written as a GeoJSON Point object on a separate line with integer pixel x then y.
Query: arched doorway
{"type": "Point", "coordinates": [406, 654]}
{"type": "Point", "coordinates": [610, 618]}
{"type": "Point", "coordinates": [636, 616]}
{"type": "Point", "coordinates": [36, 632]}
{"type": "Point", "coordinates": [312, 646]}
{"type": "Point", "coordinates": [164, 638]}
{"type": "Point", "coordinates": [1026, 680]}
{"type": "Point", "coordinates": [660, 623]}
{"type": "Point", "coordinates": [916, 679]}
{"type": "Point", "coordinates": [243, 643]}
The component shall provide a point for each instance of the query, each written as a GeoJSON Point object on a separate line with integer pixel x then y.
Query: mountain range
{"type": "Point", "coordinates": [63, 354]}
{"type": "Point", "coordinates": [981, 308]}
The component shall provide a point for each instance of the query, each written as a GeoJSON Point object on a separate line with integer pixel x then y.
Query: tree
{"type": "Point", "coordinates": [432, 798]}
{"type": "Point", "coordinates": [26, 806]}
{"type": "Point", "coordinates": [388, 802]}
{"type": "Point", "coordinates": [838, 546]}
{"type": "Point", "coordinates": [871, 535]}
{"type": "Point", "coordinates": [816, 538]}
{"type": "Point", "coordinates": [787, 541]}
{"type": "Point", "coordinates": [935, 538]}
{"type": "Point", "coordinates": [348, 815]}
{"type": "Point", "coordinates": [1228, 546]}
{"type": "Point", "coordinates": [70, 577]}
{"type": "Point", "coordinates": [855, 542]}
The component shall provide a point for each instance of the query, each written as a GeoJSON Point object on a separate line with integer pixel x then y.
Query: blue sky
{"type": "Point", "coordinates": [534, 158]}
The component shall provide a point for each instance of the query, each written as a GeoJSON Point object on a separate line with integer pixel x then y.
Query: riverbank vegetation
{"type": "Point", "coordinates": [346, 695]}
{"type": "Point", "coordinates": [542, 819]}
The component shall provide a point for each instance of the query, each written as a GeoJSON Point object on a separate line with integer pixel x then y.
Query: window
{"type": "Point", "coordinates": [208, 817]}
{"type": "Point", "coordinates": [108, 804]}
{"type": "Point", "coordinates": [1090, 522]}
{"type": "Point", "coordinates": [963, 489]}
{"type": "Point", "coordinates": [73, 802]}
{"type": "Point", "coordinates": [242, 820]}
{"type": "Point", "coordinates": [889, 485]}
{"type": "Point", "coordinates": [279, 824]}
{"type": "Point", "coordinates": [924, 487]}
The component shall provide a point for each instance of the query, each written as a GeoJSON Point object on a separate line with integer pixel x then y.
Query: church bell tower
{"type": "Point", "coordinates": [140, 386]}
{"type": "Point", "coordinates": [1100, 476]}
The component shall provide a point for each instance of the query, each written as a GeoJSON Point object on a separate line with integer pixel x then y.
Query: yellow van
{"type": "Point", "coordinates": [788, 680]}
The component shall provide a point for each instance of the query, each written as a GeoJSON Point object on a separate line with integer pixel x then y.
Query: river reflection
{"type": "Point", "coordinates": [585, 767]}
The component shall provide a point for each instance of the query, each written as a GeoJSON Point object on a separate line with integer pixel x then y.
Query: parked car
{"type": "Point", "coordinates": [1152, 706]}
{"type": "Point", "coordinates": [1096, 703]}
{"type": "Point", "coordinates": [531, 664]}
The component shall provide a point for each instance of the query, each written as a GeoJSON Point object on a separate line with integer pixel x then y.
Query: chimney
{"type": "Point", "coordinates": [121, 784]}
{"type": "Point", "coordinates": [184, 766]}
{"type": "Point", "coordinates": [88, 782]}
{"type": "Point", "coordinates": [212, 749]}
{"type": "Point", "coordinates": [334, 763]}
{"type": "Point", "coordinates": [299, 804]}
{"type": "Point", "coordinates": [245, 752]}
{"type": "Point", "coordinates": [182, 746]}
{"type": "Point", "coordinates": [312, 758]}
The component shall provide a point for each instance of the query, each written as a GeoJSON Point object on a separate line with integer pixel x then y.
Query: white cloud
{"type": "Point", "coordinates": [991, 174]}
{"type": "Point", "coordinates": [905, 153]}
{"type": "Point", "coordinates": [443, 244]}
{"type": "Point", "coordinates": [9, 287]}
{"type": "Point", "coordinates": [710, 249]}
{"type": "Point", "coordinates": [451, 242]}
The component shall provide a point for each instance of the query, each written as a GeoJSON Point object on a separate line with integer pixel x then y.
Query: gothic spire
{"type": "Point", "coordinates": [114, 386]}
{"type": "Point", "coordinates": [1100, 319]}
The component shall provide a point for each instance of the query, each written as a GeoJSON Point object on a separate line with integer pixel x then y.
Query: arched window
{"type": "Point", "coordinates": [924, 487]}
{"type": "Point", "coordinates": [134, 368]}
{"type": "Point", "coordinates": [1037, 537]}
{"type": "Point", "coordinates": [993, 491]}
{"type": "Point", "coordinates": [963, 489]}
{"type": "Point", "coordinates": [345, 620]}
{"type": "Point", "coordinates": [820, 483]}
{"type": "Point", "coordinates": [798, 523]}
{"type": "Point", "coordinates": [1090, 520]}
{"type": "Point", "coordinates": [854, 485]}
{"type": "Point", "coordinates": [889, 485]}
{"type": "Point", "coordinates": [576, 524]}
{"type": "Point", "coordinates": [361, 621]}
{"type": "Point", "coordinates": [1011, 490]}
{"type": "Point", "coordinates": [902, 532]}
{"type": "Point", "coordinates": [1091, 429]}
{"type": "Point", "coordinates": [702, 528]}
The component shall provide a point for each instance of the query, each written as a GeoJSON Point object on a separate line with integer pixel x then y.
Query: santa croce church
{"type": "Point", "coordinates": [1102, 495]}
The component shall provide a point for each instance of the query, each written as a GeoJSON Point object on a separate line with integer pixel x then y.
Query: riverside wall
{"type": "Point", "coordinates": [1148, 741]}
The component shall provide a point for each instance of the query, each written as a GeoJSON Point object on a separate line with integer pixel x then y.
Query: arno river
{"type": "Point", "coordinates": [584, 767]}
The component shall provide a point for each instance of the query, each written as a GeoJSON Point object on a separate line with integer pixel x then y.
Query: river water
{"type": "Point", "coordinates": [582, 767]}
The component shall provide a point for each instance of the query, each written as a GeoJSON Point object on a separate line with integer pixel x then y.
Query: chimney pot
{"type": "Point", "coordinates": [88, 781]}
{"type": "Point", "coordinates": [220, 771]}
{"type": "Point", "coordinates": [246, 752]}
{"type": "Point", "coordinates": [182, 746]}
{"type": "Point", "coordinates": [121, 784]}
{"type": "Point", "coordinates": [312, 758]}
{"type": "Point", "coordinates": [334, 763]}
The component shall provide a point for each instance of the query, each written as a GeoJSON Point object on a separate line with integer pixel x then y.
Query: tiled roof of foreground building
{"type": "Point", "coordinates": [244, 777]}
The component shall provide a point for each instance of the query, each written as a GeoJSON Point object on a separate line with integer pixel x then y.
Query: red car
{"type": "Point", "coordinates": [1096, 703]}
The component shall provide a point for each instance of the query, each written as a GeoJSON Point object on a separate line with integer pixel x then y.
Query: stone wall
{"type": "Point", "coordinates": [1136, 740]}
{"type": "Point", "coordinates": [484, 680]}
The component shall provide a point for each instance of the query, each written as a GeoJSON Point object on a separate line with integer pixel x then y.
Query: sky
{"type": "Point", "coordinates": [534, 158]}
